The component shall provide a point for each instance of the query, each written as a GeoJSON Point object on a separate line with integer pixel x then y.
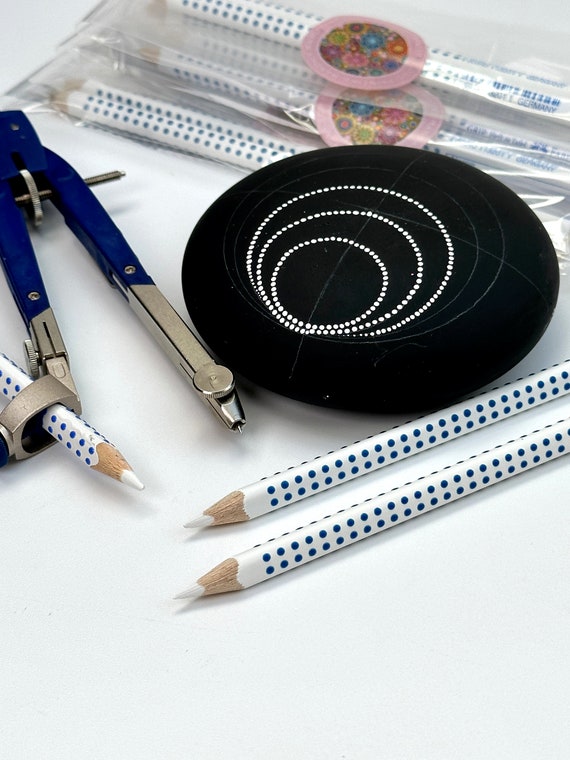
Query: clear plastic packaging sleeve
{"type": "Point", "coordinates": [228, 81]}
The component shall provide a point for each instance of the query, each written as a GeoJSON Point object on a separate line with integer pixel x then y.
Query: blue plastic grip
{"type": "Point", "coordinates": [92, 225]}
{"type": "Point", "coordinates": [20, 147]}
{"type": "Point", "coordinates": [4, 456]}
{"type": "Point", "coordinates": [18, 258]}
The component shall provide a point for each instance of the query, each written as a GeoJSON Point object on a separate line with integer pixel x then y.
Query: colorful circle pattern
{"type": "Point", "coordinates": [409, 116]}
{"type": "Point", "coordinates": [364, 49]}
{"type": "Point", "coordinates": [377, 119]}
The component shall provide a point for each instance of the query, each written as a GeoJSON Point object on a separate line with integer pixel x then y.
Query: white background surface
{"type": "Point", "coordinates": [445, 638]}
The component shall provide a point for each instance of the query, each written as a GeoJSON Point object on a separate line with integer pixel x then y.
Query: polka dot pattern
{"type": "Point", "coordinates": [423, 495]}
{"type": "Point", "coordinates": [76, 435]}
{"type": "Point", "coordinates": [186, 130]}
{"type": "Point", "coordinates": [411, 438]}
{"type": "Point", "coordinates": [273, 21]}
{"type": "Point", "coordinates": [10, 383]}
{"type": "Point", "coordinates": [237, 79]}
{"type": "Point", "coordinates": [73, 433]}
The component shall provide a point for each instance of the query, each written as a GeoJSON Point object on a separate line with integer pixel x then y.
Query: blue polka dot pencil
{"type": "Point", "coordinates": [187, 129]}
{"type": "Point", "coordinates": [76, 436]}
{"type": "Point", "coordinates": [370, 454]}
{"type": "Point", "coordinates": [348, 526]}
{"type": "Point", "coordinates": [289, 27]}
{"type": "Point", "coordinates": [266, 20]}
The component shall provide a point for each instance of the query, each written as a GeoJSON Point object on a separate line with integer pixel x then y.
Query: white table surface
{"type": "Point", "coordinates": [445, 638]}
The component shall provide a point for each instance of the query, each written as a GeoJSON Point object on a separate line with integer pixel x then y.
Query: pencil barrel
{"type": "Point", "coordinates": [265, 20]}
{"type": "Point", "coordinates": [183, 129]}
{"type": "Point", "coordinates": [411, 438]}
{"type": "Point", "coordinates": [361, 521]}
{"type": "Point", "coordinates": [62, 424]}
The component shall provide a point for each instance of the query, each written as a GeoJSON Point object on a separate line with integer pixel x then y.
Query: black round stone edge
{"type": "Point", "coordinates": [493, 308]}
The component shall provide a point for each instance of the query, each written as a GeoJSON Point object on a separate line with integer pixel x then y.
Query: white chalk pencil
{"type": "Point", "coordinates": [323, 537]}
{"type": "Point", "coordinates": [371, 454]}
{"type": "Point", "coordinates": [77, 437]}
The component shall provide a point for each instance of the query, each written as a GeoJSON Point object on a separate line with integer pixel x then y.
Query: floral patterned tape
{"type": "Point", "coordinates": [364, 53]}
{"type": "Point", "coordinates": [403, 116]}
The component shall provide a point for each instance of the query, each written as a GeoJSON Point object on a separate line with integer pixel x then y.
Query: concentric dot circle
{"type": "Point", "coordinates": [366, 324]}
{"type": "Point", "coordinates": [376, 278]}
{"type": "Point", "coordinates": [297, 325]}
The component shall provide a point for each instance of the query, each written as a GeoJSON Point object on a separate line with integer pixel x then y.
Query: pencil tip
{"type": "Point", "coordinates": [129, 478]}
{"type": "Point", "coordinates": [111, 462]}
{"type": "Point", "coordinates": [202, 521]}
{"type": "Point", "coordinates": [193, 592]}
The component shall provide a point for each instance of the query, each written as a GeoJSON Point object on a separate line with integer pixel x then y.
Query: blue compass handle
{"type": "Point", "coordinates": [92, 225]}
{"type": "Point", "coordinates": [21, 149]}
{"type": "Point", "coordinates": [18, 258]}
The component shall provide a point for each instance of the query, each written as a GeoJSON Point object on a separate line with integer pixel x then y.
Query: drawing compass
{"type": "Point", "coordinates": [30, 172]}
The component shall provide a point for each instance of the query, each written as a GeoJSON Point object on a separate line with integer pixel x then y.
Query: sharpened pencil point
{"type": "Point", "coordinates": [112, 463]}
{"type": "Point", "coordinates": [202, 521]}
{"type": "Point", "coordinates": [194, 592]}
{"type": "Point", "coordinates": [227, 510]}
{"type": "Point", "coordinates": [129, 478]}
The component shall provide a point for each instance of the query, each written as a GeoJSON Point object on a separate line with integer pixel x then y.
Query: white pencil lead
{"type": "Point", "coordinates": [129, 478]}
{"type": "Point", "coordinates": [202, 521]}
{"type": "Point", "coordinates": [192, 593]}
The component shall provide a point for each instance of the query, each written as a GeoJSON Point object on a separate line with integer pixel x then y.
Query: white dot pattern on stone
{"type": "Point", "coordinates": [372, 321]}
